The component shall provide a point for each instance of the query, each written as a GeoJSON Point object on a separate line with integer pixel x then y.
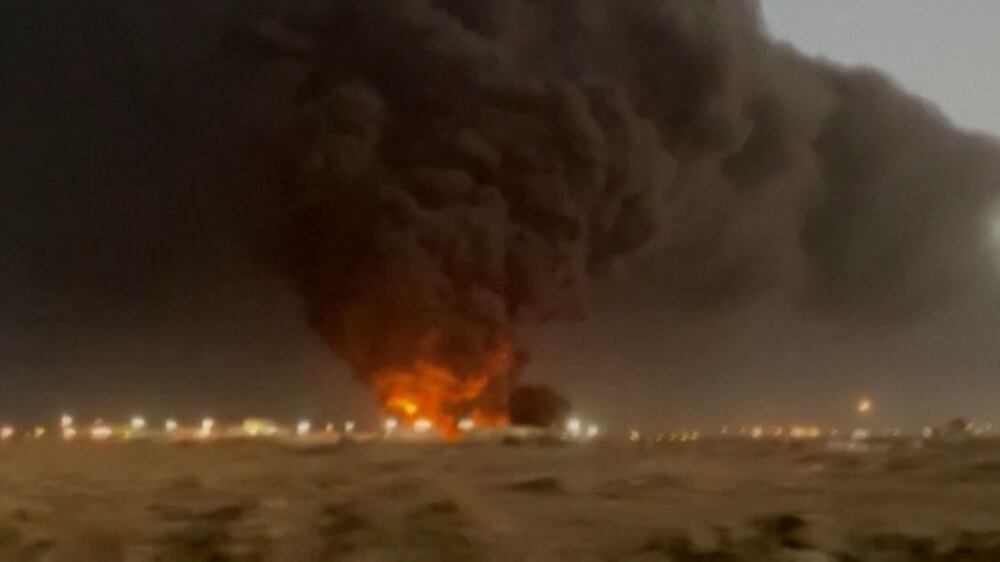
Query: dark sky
{"type": "Point", "coordinates": [128, 284]}
{"type": "Point", "coordinates": [127, 281]}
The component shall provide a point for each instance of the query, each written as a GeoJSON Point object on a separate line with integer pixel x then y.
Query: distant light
{"type": "Point", "coordinates": [100, 432]}
{"type": "Point", "coordinates": [328, 428]}
{"type": "Point", "coordinates": [66, 421]}
{"type": "Point", "coordinates": [466, 424]}
{"type": "Point", "coordinates": [779, 431]}
{"type": "Point", "coordinates": [593, 430]}
{"type": "Point", "coordinates": [834, 432]}
{"type": "Point", "coordinates": [695, 435]}
{"type": "Point", "coordinates": [756, 432]}
{"type": "Point", "coordinates": [138, 423]}
{"type": "Point", "coordinates": [804, 432]}
{"type": "Point", "coordinates": [573, 426]}
{"type": "Point", "coordinates": [68, 433]}
{"type": "Point", "coordinates": [634, 435]}
{"type": "Point", "coordinates": [864, 406]}
{"type": "Point", "coordinates": [6, 432]}
{"type": "Point", "coordinates": [928, 432]}
{"type": "Point", "coordinates": [390, 424]}
{"type": "Point", "coordinates": [860, 434]}
{"type": "Point", "coordinates": [422, 425]}
{"type": "Point", "coordinates": [255, 427]}
{"type": "Point", "coordinates": [724, 430]}
{"type": "Point", "coordinates": [348, 426]}
{"type": "Point", "coordinates": [39, 432]}
{"type": "Point", "coordinates": [207, 425]}
{"type": "Point", "coordinates": [303, 428]}
{"type": "Point", "coordinates": [170, 426]}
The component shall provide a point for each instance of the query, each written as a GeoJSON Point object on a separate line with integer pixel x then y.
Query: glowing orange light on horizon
{"type": "Point", "coordinates": [864, 405]}
{"type": "Point", "coordinates": [430, 393]}
{"type": "Point", "coordinates": [402, 404]}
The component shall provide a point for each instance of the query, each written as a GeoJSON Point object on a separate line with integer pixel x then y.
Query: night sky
{"type": "Point", "coordinates": [129, 281]}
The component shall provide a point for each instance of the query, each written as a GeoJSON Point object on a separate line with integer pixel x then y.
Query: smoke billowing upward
{"type": "Point", "coordinates": [452, 169]}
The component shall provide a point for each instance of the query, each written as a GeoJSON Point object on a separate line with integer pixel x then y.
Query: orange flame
{"type": "Point", "coordinates": [427, 390]}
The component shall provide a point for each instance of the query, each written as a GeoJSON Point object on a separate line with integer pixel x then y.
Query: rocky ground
{"type": "Point", "coordinates": [725, 501]}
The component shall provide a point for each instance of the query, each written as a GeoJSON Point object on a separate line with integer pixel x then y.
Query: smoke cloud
{"type": "Point", "coordinates": [450, 170]}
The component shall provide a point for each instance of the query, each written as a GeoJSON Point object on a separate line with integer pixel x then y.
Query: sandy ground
{"type": "Point", "coordinates": [256, 501]}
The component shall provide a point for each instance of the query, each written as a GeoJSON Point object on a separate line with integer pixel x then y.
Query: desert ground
{"type": "Point", "coordinates": [262, 501]}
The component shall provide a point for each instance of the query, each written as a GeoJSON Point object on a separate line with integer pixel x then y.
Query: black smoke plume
{"type": "Point", "coordinates": [452, 169]}
{"type": "Point", "coordinates": [537, 405]}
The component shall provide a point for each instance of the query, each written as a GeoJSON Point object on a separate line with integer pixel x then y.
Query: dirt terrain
{"type": "Point", "coordinates": [712, 500]}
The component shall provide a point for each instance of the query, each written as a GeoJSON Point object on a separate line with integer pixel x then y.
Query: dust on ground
{"type": "Point", "coordinates": [255, 501]}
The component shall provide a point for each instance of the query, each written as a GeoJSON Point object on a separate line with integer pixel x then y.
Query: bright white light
{"type": "Point", "coordinates": [138, 423]}
{"type": "Point", "coordinates": [634, 435]}
{"type": "Point", "coordinates": [66, 421]}
{"type": "Point", "coordinates": [348, 426]}
{"type": "Point", "coordinates": [390, 424]}
{"type": "Point", "coordinates": [6, 432]}
{"type": "Point", "coordinates": [207, 425]}
{"type": "Point", "coordinates": [303, 428]}
{"type": "Point", "coordinates": [422, 425]}
{"type": "Point", "coordinates": [573, 426]}
{"type": "Point", "coordinates": [592, 430]}
{"type": "Point", "coordinates": [170, 426]}
{"type": "Point", "coordinates": [100, 432]}
{"type": "Point", "coordinates": [928, 433]}
{"type": "Point", "coordinates": [756, 432]}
